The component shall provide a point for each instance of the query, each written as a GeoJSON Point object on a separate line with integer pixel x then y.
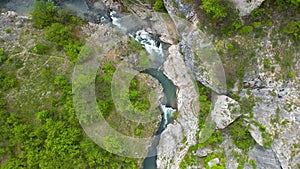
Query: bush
{"type": "Point", "coordinates": [246, 30]}
{"type": "Point", "coordinates": [267, 63]}
{"type": "Point", "coordinates": [137, 131]}
{"type": "Point", "coordinates": [287, 2]}
{"type": "Point", "coordinates": [216, 8]}
{"type": "Point", "coordinates": [257, 24]}
{"type": "Point", "coordinates": [241, 136]}
{"type": "Point", "coordinates": [8, 30]}
{"type": "Point", "coordinates": [72, 50]}
{"type": "Point", "coordinates": [40, 48]}
{"type": "Point", "coordinates": [293, 28]}
{"type": "Point", "coordinates": [215, 139]}
{"type": "Point", "coordinates": [291, 75]}
{"type": "Point", "coordinates": [8, 82]}
{"type": "Point", "coordinates": [45, 14]}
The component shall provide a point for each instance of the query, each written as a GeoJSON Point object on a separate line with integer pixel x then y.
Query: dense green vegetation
{"type": "Point", "coordinates": [46, 133]}
{"type": "Point", "coordinates": [51, 139]}
{"type": "Point", "coordinates": [139, 92]}
{"type": "Point", "coordinates": [60, 25]}
{"type": "Point", "coordinates": [216, 8]}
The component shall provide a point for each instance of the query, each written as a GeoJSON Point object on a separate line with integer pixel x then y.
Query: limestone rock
{"type": "Point", "coordinates": [226, 110]}
{"type": "Point", "coordinates": [256, 134]}
{"type": "Point", "coordinates": [265, 158]}
{"type": "Point", "coordinates": [213, 161]}
{"type": "Point", "coordinates": [228, 146]}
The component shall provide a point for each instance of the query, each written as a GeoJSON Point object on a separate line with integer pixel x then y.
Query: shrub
{"type": "Point", "coordinates": [267, 63]}
{"type": "Point", "coordinates": [246, 30]}
{"type": "Point", "coordinates": [44, 14]}
{"type": "Point", "coordinates": [287, 2]}
{"type": "Point", "coordinates": [3, 56]}
{"type": "Point", "coordinates": [216, 8]}
{"type": "Point", "coordinates": [40, 48]}
{"type": "Point", "coordinates": [159, 6]}
{"type": "Point", "coordinates": [257, 24]}
{"type": "Point", "coordinates": [269, 23]}
{"type": "Point", "coordinates": [8, 82]}
{"type": "Point", "coordinates": [291, 75]}
{"type": "Point", "coordinates": [137, 131]}
{"type": "Point", "coordinates": [72, 50]}
{"type": "Point", "coordinates": [8, 30]}
{"type": "Point", "coordinates": [241, 136]}
{"type": "Point", "coordinates": [215, 139]}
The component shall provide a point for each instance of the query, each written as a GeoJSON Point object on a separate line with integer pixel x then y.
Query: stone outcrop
{"type": "Point", "coordinates": [176, 7]}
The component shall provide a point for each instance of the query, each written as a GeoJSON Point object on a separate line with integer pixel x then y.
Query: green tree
{"type": "Point", "coordinates": [43, 14]}
{"type": "Point", "coordinates": [114, 144]}
{"type": "Point", "coordinates": [58, 34]}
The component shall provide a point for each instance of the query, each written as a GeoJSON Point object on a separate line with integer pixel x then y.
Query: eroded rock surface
{"type": "Point", "coordinates": [265, 158]}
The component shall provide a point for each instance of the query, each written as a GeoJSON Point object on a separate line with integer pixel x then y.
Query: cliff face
{"type": "Point", "coordinates": [276, 99]}
{"type": "Point", "coordinates": [186, 124]}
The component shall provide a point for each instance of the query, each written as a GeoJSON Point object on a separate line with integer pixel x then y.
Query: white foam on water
{"type": "Point", "coordinates": [167, 112]}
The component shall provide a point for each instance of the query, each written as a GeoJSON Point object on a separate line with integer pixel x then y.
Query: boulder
{"type": "Point", "coordinates": [225, 111]}
{"type": "Point", "coordinates": [245, 6]}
